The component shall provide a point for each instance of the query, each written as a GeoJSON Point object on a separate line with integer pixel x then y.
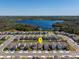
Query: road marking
{"type": "Point", "coordinates": [61, 51]}
{"type": "Point", "coordinates": [46, 52]}
{"type": "Point", "coordinates": [34, 51]}
{"type": "Point", "coordinates": [25, 51]}
{"type": "Point", "coordinates": [8, 56]}
{"type": "Point", "coordinates": [77, 55]}
{"type": "Point", "coordinates": [62, 55]}
{"type": "Point", "coordinates": [43, 56]}
{"type": "Point", "coordinates": [1, 56]}
{"type": "Point", "coordinates": [29, 56]}
{"type": "Point", "coordinates": [54, 52]}
{"type": "Point", "coordinates": [70, 56]}
{"type": "Point", "coordinates": [66, 51]}
{"type": "Point", "coordinates": [12, 51]}
{"type": "Point", "coordinates": [21, 52]}
{"type": "Point", "coordinates": [39, 51]}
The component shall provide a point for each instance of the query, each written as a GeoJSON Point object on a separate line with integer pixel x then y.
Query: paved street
{"type": "Point", "coordinates": [7, 42]}
{"type": "Point", "coordinates": [70, 42]}
{"type": "Point", "coordinates": [51, 53]}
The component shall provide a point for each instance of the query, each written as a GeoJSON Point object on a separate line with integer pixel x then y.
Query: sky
{"type": "Point", "coordinates": [39, 7]}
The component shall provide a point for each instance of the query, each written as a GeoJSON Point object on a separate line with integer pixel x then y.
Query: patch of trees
{"type": "Point", "coordinates": [24, 27]}
{"type": "Point", "coordinates": [6, 24]}
{"type": "Point", "coordinates": [66, 28]}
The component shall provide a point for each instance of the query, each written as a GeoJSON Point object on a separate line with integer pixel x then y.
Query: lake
{"type": "Point", "coordinates": [43, 24]}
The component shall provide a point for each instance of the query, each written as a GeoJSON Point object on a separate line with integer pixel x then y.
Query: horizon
{"type": "Point", "coordinates": [39, 8]}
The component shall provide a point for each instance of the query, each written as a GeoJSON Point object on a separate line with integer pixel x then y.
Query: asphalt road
{"type": "Point", "coordinates": [7, 42]}
{"type": "Point", "coordinates": [72, 43]}
{"type": "Point", "coordinates": [30, 53]}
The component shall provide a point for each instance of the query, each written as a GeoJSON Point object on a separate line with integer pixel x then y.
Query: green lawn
{"type": "Point", "coordinates": [30, 41]}
{"type": "Point", "coordinates": [4, 39]}
{"type": "Point", "coordinates": [1, 42]}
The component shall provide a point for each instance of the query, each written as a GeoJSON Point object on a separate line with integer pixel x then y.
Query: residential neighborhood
{"type": "Point", "coordinates": [54, 44]}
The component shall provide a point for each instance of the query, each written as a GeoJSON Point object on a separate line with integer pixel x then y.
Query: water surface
{"type": "Point", "coordinates": [43, 24]}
